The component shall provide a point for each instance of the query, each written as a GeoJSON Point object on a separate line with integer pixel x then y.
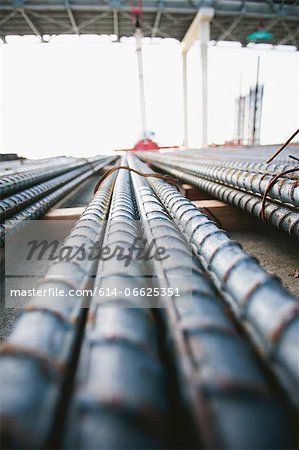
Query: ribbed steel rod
{"type": "Point", "coordinates": [36, 360]}
{"type": "Point", "coordinates": [241, 154]}
{"type": "Point", "coordinates": [14, 203]}
{"type": "Point", "coordinates": [284, 219]}
{"type": "Point", "coordinates": [193, 161]}
{"type": "Point", "coordinates": [10, 184]}
{"type": "Point", "coordinates": [269, 313]}
{"type": "Point", "coordinates": [120, 400]}
{"type": "Point", "coordinates": [18, 167]}
{"type": "Point", "coordinates": [37, 209]}
{"type": "Point", "coordinates": [285, 191]}
{"type": "Point", "coordinates": [219, 377]}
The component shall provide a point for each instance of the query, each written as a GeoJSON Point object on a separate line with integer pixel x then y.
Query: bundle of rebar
{"type": "Point", "coordinates": [139, 371]}
{"type": "Point", "coordinates": [242, 184]}
{"type": "Point", "coordinates": [45, 187]}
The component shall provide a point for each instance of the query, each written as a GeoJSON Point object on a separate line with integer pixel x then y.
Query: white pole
{"type": "Point", "coordinates": [204, 37]}
{"type": "Point", "coordinates": [185, 98]}
{"type": "Point", "coordinates": [199, 29]}
{"type": "Point", "coordinates": [138, 37]}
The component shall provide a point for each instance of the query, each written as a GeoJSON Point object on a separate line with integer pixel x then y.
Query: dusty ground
{"type": "Point", "coordinates": [277, 252]}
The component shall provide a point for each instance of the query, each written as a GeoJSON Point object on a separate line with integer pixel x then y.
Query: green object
{"type": "Point", "coordinates": [260, 35]}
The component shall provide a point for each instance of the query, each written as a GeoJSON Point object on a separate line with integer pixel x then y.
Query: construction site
{"type": "Point", "coordinates": [150, 295]}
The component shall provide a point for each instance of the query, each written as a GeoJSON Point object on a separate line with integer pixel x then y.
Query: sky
{"type": "Point", "coordinates": [79, 96]}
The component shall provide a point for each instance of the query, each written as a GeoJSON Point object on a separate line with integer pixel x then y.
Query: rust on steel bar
{"type": "Point", "coordinates": [218, 373]}
{"type": "Point", "coordinates": [284, 191]}
{"type": "Point", "coordinates": [268, 312]}
{"type": "Point", "coordinates": [283, 218]}
{"type": "Point", "coordinates": [47, 336]}
{"type": "Point", "coordinates": [120, 399]}
{"type": "Point", "coordinates": [283, 146]}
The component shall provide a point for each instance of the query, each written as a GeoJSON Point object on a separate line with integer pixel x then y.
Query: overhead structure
{"type": "Point", "coordinates": [233, 20]}
{"type": "Point", "coordinates": [185, 20]}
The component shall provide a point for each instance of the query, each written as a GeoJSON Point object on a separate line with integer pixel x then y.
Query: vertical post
{"type": "Point", "coordinates": [185, 98]}
{"type": "Point", "coordinates": [199, 29]}
{"type": "Point", "coordinates": [204, 37]}
{"type": "Point", "coordinates": [138, 37]}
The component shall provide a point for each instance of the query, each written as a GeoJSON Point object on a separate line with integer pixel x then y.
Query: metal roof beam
{"type": "Point", "coordinates": [31, 25]}
{"type": "Point", "coordinates": [289, 32]}
{"type": "Point", "coordinates": [289, 37]}
{"type": "Point", "coordinates": [146, 25]}
{"type": "Point", "coordinates": [93, 20]}
{"type": "Point", "coordinates": [115, 23]}
{"type": "Point", "coordinates": [223, 30]}
{"type": "Point", "coordinates": [51, 20]}
{"type": "Point", "coordinates": [157, 23]}
{"type": "Point", "coordinates": [222, 8]}
{"type": "Point", "coordinates": [7, 17]}
{"type": "Point", "coordinates": [271, 5]}
{"type": "Point", "coordinates": [230, 29]}
{"type": "Point", "coordinates": [72, 18]}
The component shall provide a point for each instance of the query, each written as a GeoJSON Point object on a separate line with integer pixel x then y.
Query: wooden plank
{"type": "Point", "coordinates": [193, 193]}
{"type": "Point", "coordinates": [226, 216]}
{"type": "Point", "coordinates": [64, 213]}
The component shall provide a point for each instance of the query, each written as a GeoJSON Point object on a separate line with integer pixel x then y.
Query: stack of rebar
{"type": "Point", "coordinates": [241, 183]}
{"type": "Point", "coordinates": [28, 194]}
{"type": "Point", "coordinates": [196, 349]}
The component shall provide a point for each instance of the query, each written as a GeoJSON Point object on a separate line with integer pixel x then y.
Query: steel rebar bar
{"type": "Point", "coordinates": [39, 207]}
{"type": "Point", "coordinates": [285, 191]}
{"type": "Point", "coordinates": [283, 218]}
{"type": "Point", "coordinates": [14, 203]}
{"type": "Point", "coordinates": [10, 184]}
{"type": "Point", "coordinates": [120, 400]}
{"type": "Point", "coordinates": [268, 312]}
{"type": "Point", "coordinates": [36, 359]}
{"type": "Point", "coordinates": [217, 370]}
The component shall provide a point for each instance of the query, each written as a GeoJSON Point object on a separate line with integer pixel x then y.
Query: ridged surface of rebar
{"type": "Point", "coordinates": [220, 379]}
{"type": "Point", "coordinates": [120, 401]}
{"type": "Point", "coordinates": [285, 191]}
{"type": "Point", "coordinates": [10, 184]}
{"type": "Point", "coordinates": [11, 205]}
{"type": "Point", "coordinates": [36, 358]}
{"type": "Point", "coordinates": [283, 218]}
{"type": "Point", "coordinates": [267, 310]}
{"type": "Point", "coordinates": [246, 166]}
{"type": "Point", "coordinates": [38, 208]}
{"type": "Point", "coordinates": [13, 167]}
{"type": "Point", "coordinates": [247, 154]}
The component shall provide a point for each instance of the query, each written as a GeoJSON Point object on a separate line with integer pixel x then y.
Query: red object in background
{"type": "Point", "coordinates": [145, 144]}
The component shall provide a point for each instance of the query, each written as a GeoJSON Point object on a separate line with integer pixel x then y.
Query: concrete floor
{"type": "Point", "coordinates": [277, 252]}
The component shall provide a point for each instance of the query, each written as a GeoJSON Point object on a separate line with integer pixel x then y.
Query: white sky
{"type": "Point", "coordinates": [80, 96]}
